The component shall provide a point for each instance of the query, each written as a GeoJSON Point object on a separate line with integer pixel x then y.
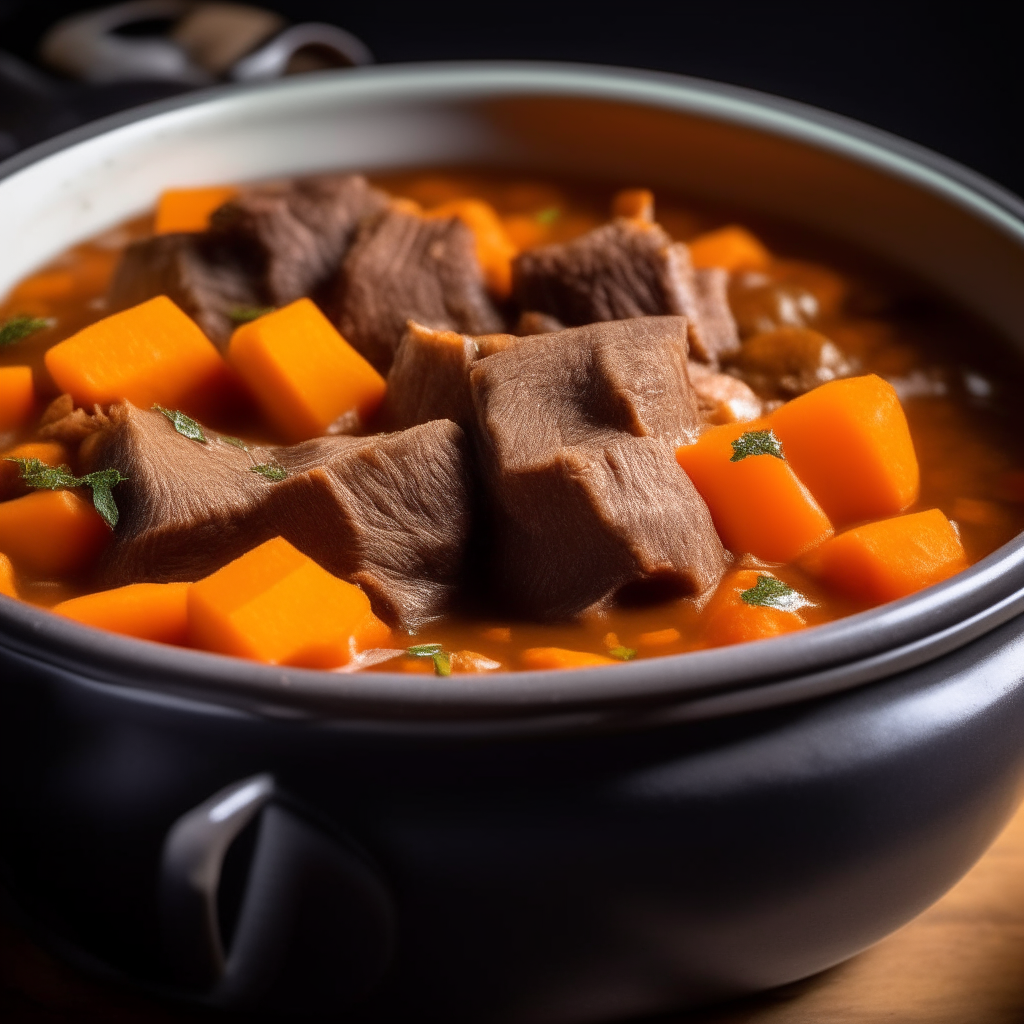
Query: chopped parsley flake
{"type": "Point", "coordinates": [273, 473]}
{"type": "Point", "coordinates": [184, 425]}
{"type": "Point", "coordinates": [769, 592]}
{"type": "Point", "coordinates": [22, 326]}
{"type": "Point", "coordinates": [622, 653]}
{"type": "Point", "coordinates": [756, 442]}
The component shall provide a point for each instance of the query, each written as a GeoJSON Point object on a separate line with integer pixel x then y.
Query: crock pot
{"type": "Point", "coordinates": [540, 847]}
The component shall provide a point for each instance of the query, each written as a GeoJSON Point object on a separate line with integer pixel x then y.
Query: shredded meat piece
{"type": "Point", "coordinates": [63, 422]}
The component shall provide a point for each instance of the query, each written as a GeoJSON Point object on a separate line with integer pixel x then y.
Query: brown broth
{"type": "Point", "coordinates": [955, 377]}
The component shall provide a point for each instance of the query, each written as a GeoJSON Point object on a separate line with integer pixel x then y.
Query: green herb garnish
{"type": "Point", "coordinates": [436, 652]}
{"type": "Point", "coordinates": [235, 442]}
{"type": "Point", "coordinates": [184, 425]}
{"type": "Point", "coordinates": [424, 650]}
{"type": "Point", "coordinates": [756, 442]}
{"type": "Point", "coordinates": [22, 326]}
{"type": "Point", "coordinates": [622, 653]}
{"type": "Point", "coordinates": [273, 473]}
{"type": "Point", "coordinates": [246, 314]}
{"type": "Point", "coordinates": [549, 215]}
{"type": "Point", "coordinates": [38, 474]}
{"type": "Point", "coordinates": [769, 592]}
{"type": "Point", "coordinates": [102, 483]}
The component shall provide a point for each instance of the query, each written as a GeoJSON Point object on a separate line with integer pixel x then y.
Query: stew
{"type": "Point", "coordinates": [452, 422]}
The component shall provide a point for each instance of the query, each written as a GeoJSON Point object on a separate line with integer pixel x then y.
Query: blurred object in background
{"type": "Point", "coordinates": [119, 56]}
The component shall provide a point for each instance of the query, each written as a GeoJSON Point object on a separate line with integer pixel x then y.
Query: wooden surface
{"type": "Point", "coordinates": [961, 962]}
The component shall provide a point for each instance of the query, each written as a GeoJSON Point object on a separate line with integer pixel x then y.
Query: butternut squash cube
{"type": "Point", "coordinates": [150, 354]}
{"type": "Point", "coordinates": [17, 396]}
{"type": "Point", "coordinates": [728, 618]}
{"type": "Point", "coordinates": [276, 605]}
{"type": "Point", "coordinates": [189, 209]}
{"type": "Point", "coordinates": [890, 559]}
{"type": "Point", "coordinates": [756, 501]}
{"type": "Point", "coordinates": [849, 442]}
{"type": "Point", "coordinates": [52, 533]}
{"type": "Point", "coordinates": [149, 611]}
{"type": "Point", "coordinates": [303, 373]}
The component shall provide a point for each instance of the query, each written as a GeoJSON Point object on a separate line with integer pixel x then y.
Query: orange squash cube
{"type": "Point", "coordinates": [150, 354]}
{"type": "Point", "coordinates": [17, 396]}
{"type": "Point", "coordinates": [303, 373]}
{"type": "Point", "coordinates": [52, 533]}
{"type": "Point", "coordinates": [276, 605]}
{"type": "Point", "coordinates": [52, 453]}
{"type": "Point", "coordinates": [757, 502]}
{"type": "Point", "coordinates": [189, 209]}
{"type": "Point", "coordinates": [849, 442]}
{"type": "Point", "coordinates": [8, 581]}
{"type": "Point", "coordinates": [729, 619]}
{"type": "Point", "coordinates": [732, 248]}
{"type": "Point", "coordinates": [890, 559]}
{"type": "Point", "coordinates": [495, 250]}
{"type": "Point", "coordinates": [149, 611]}
{"type": "Point", "coordinates": [558, 657]}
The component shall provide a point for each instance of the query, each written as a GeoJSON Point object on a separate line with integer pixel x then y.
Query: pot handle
{"type": "Point", "coordinates": [316, 926]}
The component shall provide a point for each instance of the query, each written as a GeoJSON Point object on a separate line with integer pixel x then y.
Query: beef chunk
{"type": "Point", "coordinates": [390, 512]}
{"type": "Point", "coordinates": [713, 333]}
{"type": "Point", "coordinates": [784, 363]}
{"type": "Point", "coordinates": [628, 268]}
{"type": "Point", "coordinates": [622, 270]}
{"type": "Point", "coordinates": [186, 508]}
{"type": "Point", "coordinates": [207, 280]}
{"type": "Point", "coordinates": [429, 379]}
{"type": "Point", "coordinates": [722, 398]}
{"type": "Point", "coordinates": [294, 234]}
{"type": "Point", "coordinates": [405, 267]}
{"type": "Point", "coordinates": [577, 439]}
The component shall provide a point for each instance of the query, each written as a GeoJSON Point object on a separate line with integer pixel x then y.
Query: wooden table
{"type": "Point", "coordinates": [961, 962]}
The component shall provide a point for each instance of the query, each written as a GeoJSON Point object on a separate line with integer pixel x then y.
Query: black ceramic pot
{"type": "Point", "coordinates": [562, 847]}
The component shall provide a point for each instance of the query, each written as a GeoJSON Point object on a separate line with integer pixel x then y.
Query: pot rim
{"type": "Point", "coordinates": [823, 659]}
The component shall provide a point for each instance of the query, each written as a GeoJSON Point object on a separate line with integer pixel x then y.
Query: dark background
{"type": "Point", "coordinates": [949, 77]}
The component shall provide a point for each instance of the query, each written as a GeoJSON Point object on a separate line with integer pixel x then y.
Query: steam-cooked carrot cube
{"type": "Point", "coordinates": [51, 532]}
{"type": "Point", "coordinates": [494, 249]}
{"type": "Point", "coordinates": [749, 605]}
{"type": "Point", "coordinates": [151, 353]}
{"type": "Point", "coordinates": [849, 442]}
{"type": "Point", "coordinates": [52, 453]}
{"type": "Point", "coordinates": [277, 606]}
{"type": "Point", "coordinates": [733, 248]}
{"type": "Point", "coordinates": [189, 209]}
{"type": "Point", "coordinates": [889, 559]}
{"type": "Point", "coordinates": [756, 501]}
{"type": "Point", "coordinates": [8, 581]}
{"type": "Point", "coordinates": [17, 396]}
{"type": "Point", "coordinates": [559, 657]}
{"type": "Point", "coordinates": [150, 611]}
{"type": "Point", "coordinates": [303, 373]}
